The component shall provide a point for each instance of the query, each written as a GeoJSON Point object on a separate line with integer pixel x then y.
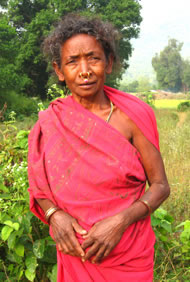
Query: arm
{"type": "Point", "coordinates": [105, 235]}
{"type": "Point", "coordinates": [64, 227]}
{"type": "Point", "coordinates": [159, 189]}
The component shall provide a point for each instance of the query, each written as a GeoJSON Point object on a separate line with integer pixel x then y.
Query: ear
{"type": "Point", "coordinates": [109, 65]}
{"type": "Point", "coordinates": [58, 72]}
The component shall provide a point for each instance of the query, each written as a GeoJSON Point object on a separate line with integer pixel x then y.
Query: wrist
{"type": "Point", "coordinates": [123, 218]}
{"type": "Point", "coordinates": [50, 212]}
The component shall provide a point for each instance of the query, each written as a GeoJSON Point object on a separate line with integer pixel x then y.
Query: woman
{"type": "Point", "coordinates": [90, 156]}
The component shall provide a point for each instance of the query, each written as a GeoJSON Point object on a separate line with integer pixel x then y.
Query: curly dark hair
{"type": "Point", "coordinates": [73, 24]}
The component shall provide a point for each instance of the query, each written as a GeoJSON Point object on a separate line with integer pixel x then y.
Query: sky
{"type": "Point", "coordinates": [162, 20]}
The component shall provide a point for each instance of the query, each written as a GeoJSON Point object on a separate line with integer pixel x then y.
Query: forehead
{"type": "Point", "coordinates": [81, 44]}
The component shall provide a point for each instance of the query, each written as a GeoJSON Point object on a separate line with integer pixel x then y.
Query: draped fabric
{"type": "Point", "coordinates": [90, 170]}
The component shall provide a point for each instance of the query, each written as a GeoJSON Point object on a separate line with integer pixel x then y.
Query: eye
{"type": "Point", "coordinates": [70, 62]}
{"type": "Point", "coordinates": [94, 58]}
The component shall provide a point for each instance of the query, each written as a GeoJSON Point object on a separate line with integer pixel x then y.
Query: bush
{"type": "Point", "coordinates": [18, 103]}
{"type": "Point", "coordinates": [27, 250]}
{"type": "Point", "coordinates": [184, 106]}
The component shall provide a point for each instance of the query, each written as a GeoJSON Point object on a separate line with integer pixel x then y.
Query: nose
{"type": "Point", "coordinates": [84, 69]}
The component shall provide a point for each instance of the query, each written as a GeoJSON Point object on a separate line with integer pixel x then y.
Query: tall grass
{"type": "Point", "coordinates": [174, 129]}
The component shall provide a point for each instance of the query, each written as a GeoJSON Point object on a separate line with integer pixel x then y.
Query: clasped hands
{"type": "Point", "coordinates": [98, 242]}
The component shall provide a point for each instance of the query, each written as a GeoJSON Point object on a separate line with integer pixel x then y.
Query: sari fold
{"type": "Point", "coordinates": [87, 168]}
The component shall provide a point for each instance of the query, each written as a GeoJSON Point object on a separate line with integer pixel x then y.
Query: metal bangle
{"type": "Point", "coordinates": [147, 205]}
{"type": "Point", "coordinates": [49, 212]}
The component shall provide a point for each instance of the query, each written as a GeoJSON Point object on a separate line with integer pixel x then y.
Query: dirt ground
{"type": "Point", "coordinates": [160, 94]}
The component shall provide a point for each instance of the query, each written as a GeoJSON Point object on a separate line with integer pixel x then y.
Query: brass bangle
{"type": "Point", "coordinates": [147, 205]}
{"type": "Point", "coordinates": [49, 212]}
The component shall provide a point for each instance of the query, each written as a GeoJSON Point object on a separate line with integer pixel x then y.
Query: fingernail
{"type": "Point", "coordinates": [82, 254]}
{"type": "Point", "coordinates": [83, 231]}
{"type": "Point", "coordinates": [83, 260]}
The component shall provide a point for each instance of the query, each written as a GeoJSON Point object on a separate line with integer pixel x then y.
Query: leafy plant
{"type": "Point", "coordinates": [184, 106]}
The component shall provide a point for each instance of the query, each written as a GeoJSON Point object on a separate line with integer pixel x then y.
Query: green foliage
{"type": "Point", "coordinates": [172, 250]}
{"type": "Point", "coordinates": [33, 21]}
{"type": "Point", "coordinates": [21, 105]}
{"type": "Point", "coordinates": [54, 91]}
{"type": "Point", "coordinates": [130, 87]}
{"type": "Point", "coordinates": [143, 84]}
{"type": "Point", "coordinates": [186, 75]}
{"type": "Point", "coordinates": [168, 66]}
{"type": "Point", "coordinates": [9, 47]}
{"type": "Point", "coordinates": [25, 244]}
{"type": "Point", "coordinates": [184, 106]}
{"type": "Point", "coordinates": [148, 98]}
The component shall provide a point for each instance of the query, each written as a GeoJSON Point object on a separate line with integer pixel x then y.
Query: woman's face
{"type": "Point", "coordinates": [82, 53]}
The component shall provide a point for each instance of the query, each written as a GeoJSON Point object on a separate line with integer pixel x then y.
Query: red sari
{"type": "Point", "coordinates": [88, 169]}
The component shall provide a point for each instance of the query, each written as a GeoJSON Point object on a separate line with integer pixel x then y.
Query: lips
{"type": "Point", "coordinates": [87, 83]}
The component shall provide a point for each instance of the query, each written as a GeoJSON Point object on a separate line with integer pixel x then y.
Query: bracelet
{"type": "Point", "coordinates": [146, 204]}
{"type": "Point", "coordinates": [49, 212]}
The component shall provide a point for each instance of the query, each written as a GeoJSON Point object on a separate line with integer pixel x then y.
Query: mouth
{"type": "Point", "coordinates": [86, 85]}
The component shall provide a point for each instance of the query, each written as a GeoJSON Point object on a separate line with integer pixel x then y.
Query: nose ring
{"type": "Point", "coordinates": [85, 75]}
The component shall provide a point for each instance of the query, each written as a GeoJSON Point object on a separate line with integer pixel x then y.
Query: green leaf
{"type": "Point", "coordinates": [5, 232]}
{"type": "Point", "coordinates": [155, 221]}
{"type": "Point", "coordinates": [13, 257]}
{"type": "Point", "coordinates": [30, 275]}
{"type": "Point", "coordinates": [20, 274]}
{"type": "Point", "coordinates": [38, 248]}
{"type": "Point", "coordinates": [166, 226]}
{"type": "Point", "coordinates": [16, 226]}
{"type": "Point", "coordinates": [9, 223]}
{"type": "Point", "coordinates": [163, 238]}
{"type": "Point", "coordinates": [5, 196]}
{"type": "Point", "coordinates": [12, 240]}
{"type": "Point", "coordinates": [3, 188]}
{"type": "Point", "coordinates": [53, 275]}
{"type": "Point", "coordinates": [19, 249]}
{"type": "Point", "coordinates": [169, 218]}
{"type": "Point", "coordinates": [31, 262]}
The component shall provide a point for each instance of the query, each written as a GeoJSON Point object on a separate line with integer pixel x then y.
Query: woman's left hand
{"type": "Point", "coordinates": [103, 237]}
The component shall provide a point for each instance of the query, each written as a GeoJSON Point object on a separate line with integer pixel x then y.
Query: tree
{"type": "Point", "coordinates": [129, 87]}
{"type": "Point", "coordinates": [9, 77]}
{"type": "Point", "coordinates": [33, 20]}
{"type": "Point", "coordinates": [186, 75]}
{"type": "Point", "coordinates": [168, 66]}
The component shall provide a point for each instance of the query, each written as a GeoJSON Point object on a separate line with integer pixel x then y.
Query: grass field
{"type": "Point", "coordinates": [168, 103]}
{"type": "Point", "coordinates": [174, 131]}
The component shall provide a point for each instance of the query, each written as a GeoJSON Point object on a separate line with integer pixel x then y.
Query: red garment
{"type": "Point", "coordinates": [87, 168]}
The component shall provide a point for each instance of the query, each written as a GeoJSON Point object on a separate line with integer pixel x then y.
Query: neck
{"type": "Point", "coordinates": [93, 103]}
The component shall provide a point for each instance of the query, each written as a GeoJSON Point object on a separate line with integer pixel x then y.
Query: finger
{"type": "Point", "coordinates": [99, 255]}
{"type": "Point", "coordinates": [77, 248]}
{"type": "Point", "coordinates": [92, 251]}
{"type": "Point", "coordinates": [78, 228]}
{"type": "Point", "coordinates": [108, 251]}
{"type": "Point", "coordinates": [87, 243]}
{"type": "Point", "coordinates": [63, 248]}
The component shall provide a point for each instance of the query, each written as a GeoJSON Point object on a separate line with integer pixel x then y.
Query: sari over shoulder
{"type": "Point", "coordinates": [90, 170]}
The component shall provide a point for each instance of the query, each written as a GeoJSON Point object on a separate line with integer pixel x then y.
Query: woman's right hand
{"type": "Point", "coordinates": [64, 227]}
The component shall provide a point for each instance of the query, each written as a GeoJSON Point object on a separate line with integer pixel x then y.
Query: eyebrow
{"type": "Point", "coordinates": [86, 55]}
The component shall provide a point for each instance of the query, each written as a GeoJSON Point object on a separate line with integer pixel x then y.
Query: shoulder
{"type": "Point", "coordinates": [138, 111]}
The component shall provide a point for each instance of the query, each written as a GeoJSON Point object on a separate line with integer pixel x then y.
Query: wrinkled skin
{"type": "Point", "coordinates": [64, 227]}
{"type": "Point", "coordinates": [101, 238]}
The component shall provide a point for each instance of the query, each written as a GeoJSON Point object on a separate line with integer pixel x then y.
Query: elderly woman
{"type": "Point", "coordinates": [90, 156]}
